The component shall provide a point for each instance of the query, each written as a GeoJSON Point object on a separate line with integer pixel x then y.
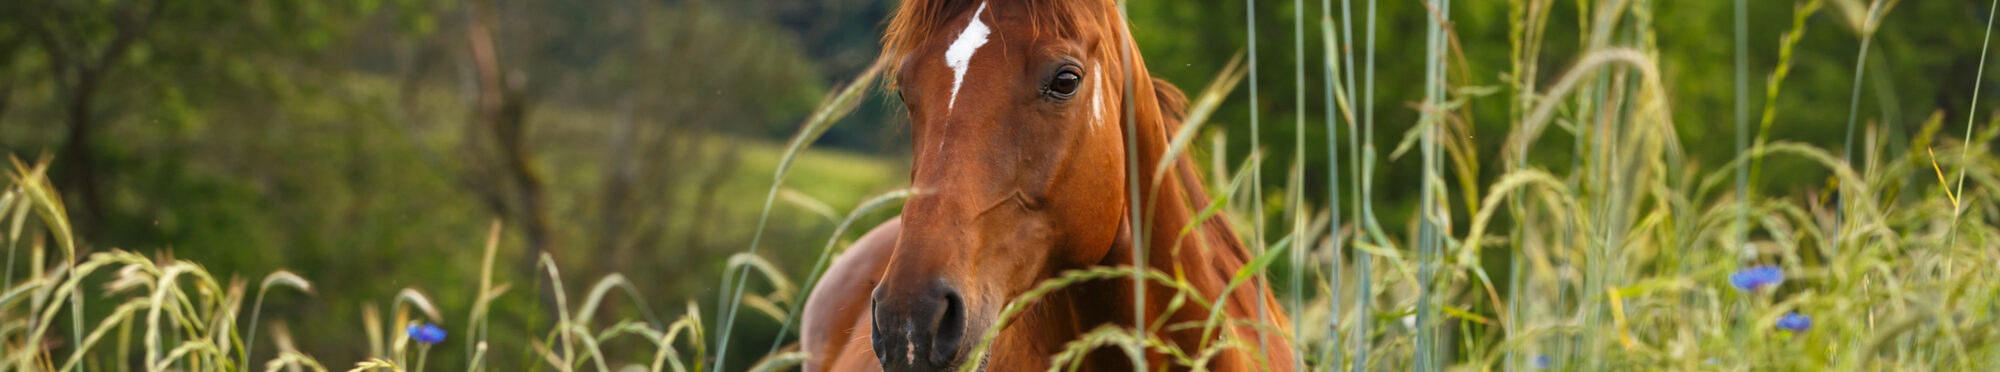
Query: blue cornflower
{"type": "Point", "coordinates": [1757, 277]}
{"type": "Point", "coordinates": [1795, 322]}
{"type": "Point", "coordinates": [1543, 361]}
{"type": "Point", "coordinates": [426, 334]}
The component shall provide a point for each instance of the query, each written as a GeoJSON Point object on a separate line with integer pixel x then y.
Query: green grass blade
{"type": "Point", "coordinates": [829, 112]}
{"type": "Point", "coordinates": [276, 279]}
{"type": "Point", "coordinates": [1963, 150]}
{"type": "Point", "coordinates": [826, 252]}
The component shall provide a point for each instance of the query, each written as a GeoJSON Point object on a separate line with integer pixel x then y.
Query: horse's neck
{"type": "Point", "coordinates": [1207, 259]}
{"type": "Point", "coordinates": [1193, 251]}
{"type": "Point", "coordinates": [1066, 314]}
{"type": "Point", "coordinates": [1204, 256]}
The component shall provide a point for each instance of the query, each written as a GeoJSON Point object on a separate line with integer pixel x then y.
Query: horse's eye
{"type": "Point", "coordinates": [1065, 83]}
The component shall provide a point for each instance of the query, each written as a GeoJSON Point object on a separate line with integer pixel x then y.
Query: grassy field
{"type": "Point", "coordinates": [1598, 243]}
{"type": "Point", "coordinates": [740, 169]}
{"type": "Point", "coordinates": [177, 313]}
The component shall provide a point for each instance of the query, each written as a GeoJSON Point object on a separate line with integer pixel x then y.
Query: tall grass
{"type": "Point", "coordinates": [834, 107]}
{"type": "Point", "coordinates": [1617, 257]}
{"type": "Point", "coordinates": [1256, 200]}
{"type": "Point", "coordinates": [1625, 266]}
{"type": "Point", "coordinates": [187, 319]}
{"type": "Point", "coordinates": [1425, 347]}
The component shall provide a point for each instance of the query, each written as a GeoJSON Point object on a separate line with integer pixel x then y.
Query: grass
{"type": "Point", "coordinates": [1618, 263]}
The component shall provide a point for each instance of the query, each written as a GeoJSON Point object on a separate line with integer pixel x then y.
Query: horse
{"type": "Point", "coordinates": [1018, 112]}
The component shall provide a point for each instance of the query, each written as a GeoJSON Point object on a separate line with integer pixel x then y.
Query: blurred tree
{"type": "Point", "coordinates": [107, 59]}
{"type": "Point", "coordinates": [83, 44]}
{"type": "Point", "coordinates": [501, 112]}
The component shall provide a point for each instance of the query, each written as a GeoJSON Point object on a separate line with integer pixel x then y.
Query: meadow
{"type": "Point", "coordinates": [1591, 227]}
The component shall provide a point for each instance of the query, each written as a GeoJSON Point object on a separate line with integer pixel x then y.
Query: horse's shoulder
{"type": "Point", "coordinates": [836, 312]}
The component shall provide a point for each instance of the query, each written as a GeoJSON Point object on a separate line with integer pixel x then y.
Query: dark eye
{"type": "Point", "coordinates": [1064, 84]}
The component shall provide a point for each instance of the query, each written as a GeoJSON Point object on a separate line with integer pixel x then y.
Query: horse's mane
{"type": "Point", "coordinates": [1173, 111]}
{"type": "Point", "coordinates": [918, 20]}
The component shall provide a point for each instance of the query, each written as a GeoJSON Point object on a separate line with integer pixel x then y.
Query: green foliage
{"type": "Point", "coordinates": [328, 139]}
{"type": "Point", "coordinates": [323, 142]}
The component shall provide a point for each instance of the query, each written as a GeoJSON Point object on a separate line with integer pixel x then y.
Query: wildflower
{"type": "Point", "coordinates": [1757, 277]}
{"type": "Point", "coordinates": [1795, 322]}
{"type": "Point", "coordinates": [426, 334]}
{"type": "Point", "coordinates": [1543, 361]}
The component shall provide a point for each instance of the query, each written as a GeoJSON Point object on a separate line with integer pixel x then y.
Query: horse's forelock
{"type": "Point", "coordinates": [916, 22]}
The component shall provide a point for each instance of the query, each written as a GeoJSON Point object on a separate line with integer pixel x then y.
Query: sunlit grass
{"type": "Point", "coordinates": [1621, 262]}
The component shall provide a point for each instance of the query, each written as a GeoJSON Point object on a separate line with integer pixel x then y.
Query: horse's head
{"type": "Point", "coordinates": [1017, 110]}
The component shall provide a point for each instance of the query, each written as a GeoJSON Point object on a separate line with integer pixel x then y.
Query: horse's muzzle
{"type": "Point", "coordinates": [920, 329]}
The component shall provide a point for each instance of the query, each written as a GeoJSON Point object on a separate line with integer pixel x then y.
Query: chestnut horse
{"type": "Point", "coordinates": [1018, 113]}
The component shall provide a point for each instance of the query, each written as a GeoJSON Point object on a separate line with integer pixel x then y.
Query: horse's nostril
{"type": "Point", "coordinates": [918, 328]}
{"type": "Point", "coordinates": [875, 324]}
{"type": "Point", "coordinates": [950, 329]}
{"type": "Point", "coordinates": [875, 339]}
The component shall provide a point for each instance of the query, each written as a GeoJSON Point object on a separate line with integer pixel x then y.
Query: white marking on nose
{"type": "Point", "coordinates": [959, 57]}
{"type": "Point", "coordinates": [912, 335]}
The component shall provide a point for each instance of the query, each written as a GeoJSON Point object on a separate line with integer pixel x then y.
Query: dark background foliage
{"type": "Point", "coordinates": [367, 144]}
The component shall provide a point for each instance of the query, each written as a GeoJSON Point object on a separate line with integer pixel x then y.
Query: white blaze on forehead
{"type": "Point", "coordinates": [1096, 97]}
{"type": "Point", "coordinates": [959, 57]}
